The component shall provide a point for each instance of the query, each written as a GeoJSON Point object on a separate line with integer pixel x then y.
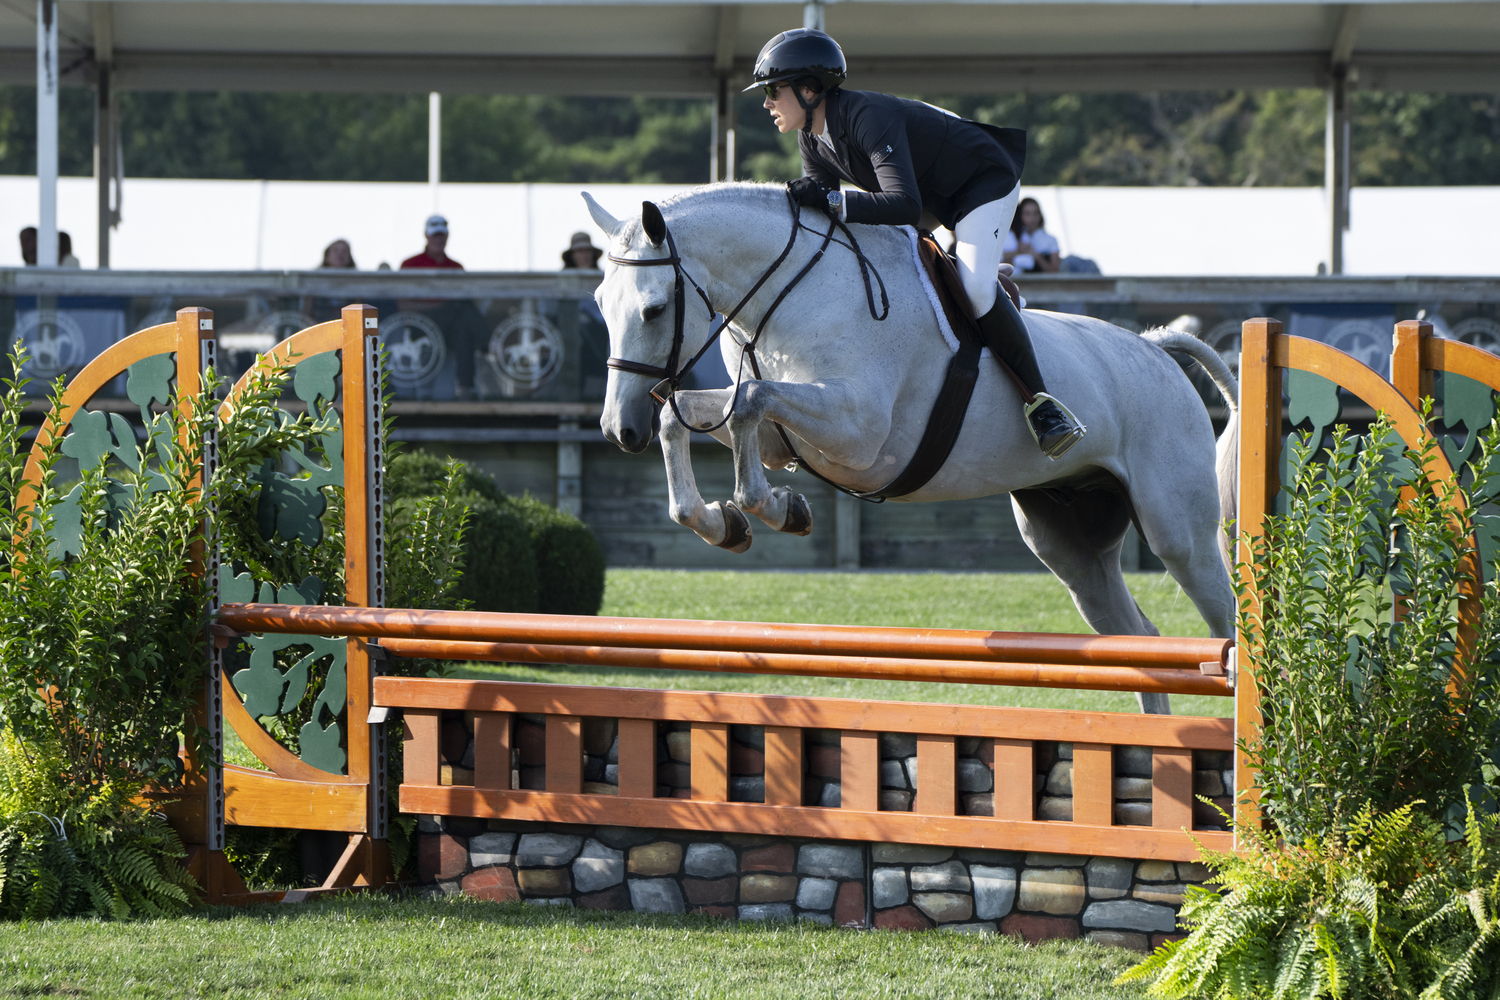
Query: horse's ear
{"type": "Point", "coordinates": [653, 223]}
{"type": "Point", "coordinates": [602, 219]}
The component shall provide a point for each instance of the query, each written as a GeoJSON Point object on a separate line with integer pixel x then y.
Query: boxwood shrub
{"type": "Point", "coordinates": [523, 555]}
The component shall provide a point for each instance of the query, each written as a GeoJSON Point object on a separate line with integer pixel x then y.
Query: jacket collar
{"type": "Point", "coordinates": [833, 121]}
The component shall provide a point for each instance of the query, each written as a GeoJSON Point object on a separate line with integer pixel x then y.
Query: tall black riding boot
{"type": "Point", "coordinates": [1055, 429]}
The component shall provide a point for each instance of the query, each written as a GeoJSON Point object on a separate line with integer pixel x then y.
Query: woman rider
{"type": "Point", "coordinates": [912, 159]}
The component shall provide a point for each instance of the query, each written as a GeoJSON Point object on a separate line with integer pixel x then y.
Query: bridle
{"type": "Point", "coordinates": [671, 376]}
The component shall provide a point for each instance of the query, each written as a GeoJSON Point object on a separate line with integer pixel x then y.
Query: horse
{"type": "Point", "coordinates": [852, 394]}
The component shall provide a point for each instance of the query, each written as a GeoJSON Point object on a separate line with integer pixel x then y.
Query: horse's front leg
{"type": "Point", "coordinates": [717, 524]}
{"type": "Point", "coordinates": [780, 507]}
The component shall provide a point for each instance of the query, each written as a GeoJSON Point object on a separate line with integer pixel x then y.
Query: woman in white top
{"type": "Point", "coordinates": [1028, 245]}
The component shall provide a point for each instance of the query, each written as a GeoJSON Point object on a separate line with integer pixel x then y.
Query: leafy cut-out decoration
{"type": "Point", "coordinates": [235, 588]}
{"type": "Point", "coordinates": [289, 508]}
{"type": "Point", "coordinates": [150, 381]}
{"type": "Point", "coordinates": [96, 435]}
{"type": "Point", "coordinates": [292, 508]}
{"type": "Point", "coordinates": [1312, 400]}
{"type": "Point", "coordinates": [1466, 403]}
{"type": "Point", "coordinates": [316, 379]}
{"type": "Point", "coordinates": [266, 690]}
{"type": "Point", "coordinates": [320, 744]}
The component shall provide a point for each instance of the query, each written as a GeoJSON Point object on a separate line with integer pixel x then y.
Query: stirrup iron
{"type": "Point", "coordinates": [1062, 444]}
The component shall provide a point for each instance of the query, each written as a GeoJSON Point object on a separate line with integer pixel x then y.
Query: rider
{"type": "Point", "coordinates": [912, 159]}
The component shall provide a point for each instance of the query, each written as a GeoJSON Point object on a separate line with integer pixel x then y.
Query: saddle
{"type": "Point", "coordinates": [955, 301]}
{"type": "Point", "coordinates": [952, 403]}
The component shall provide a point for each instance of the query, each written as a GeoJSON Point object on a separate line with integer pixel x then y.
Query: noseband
{"type": "Point", "coordinates": [671, 377]}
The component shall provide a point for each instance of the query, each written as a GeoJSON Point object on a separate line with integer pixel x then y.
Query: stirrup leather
{"type": "Point", "coordinates": [1079, 430]}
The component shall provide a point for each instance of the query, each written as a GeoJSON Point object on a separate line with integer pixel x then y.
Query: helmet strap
{"type": "Point", "coordinates": [807, 121]}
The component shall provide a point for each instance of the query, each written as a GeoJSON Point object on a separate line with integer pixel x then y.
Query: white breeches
{"type": "Point", "coordinates": [981, 237]}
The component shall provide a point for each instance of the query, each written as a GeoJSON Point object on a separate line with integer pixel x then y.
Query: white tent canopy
{"type": "Point", "coordinates": [690, 48]}
{"type": "Point", "coordinates": [629, 47]}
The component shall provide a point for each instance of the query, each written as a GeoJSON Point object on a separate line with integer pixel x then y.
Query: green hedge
{"type": "Point", "coordinates": [523, 555]}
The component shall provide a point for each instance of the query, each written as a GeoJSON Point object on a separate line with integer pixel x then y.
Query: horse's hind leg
{"type": "Point", "coordinates": [1080, 543]}
{"type": "Point", "coordinates": [1182, 528]}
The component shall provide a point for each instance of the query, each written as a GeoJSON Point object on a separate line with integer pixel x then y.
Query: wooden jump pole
{"type": "Point", "coordinates": [1086, 677]}
{"type": "Point", "coordinates": [1149, 652]}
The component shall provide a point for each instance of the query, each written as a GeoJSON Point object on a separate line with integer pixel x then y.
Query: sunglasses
{"type": "Point", "coordinates": [771, 90]}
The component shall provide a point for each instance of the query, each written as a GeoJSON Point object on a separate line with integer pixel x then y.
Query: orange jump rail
{"type": "Point", "coordinates": [1100, 663]}
{"type": "Point", "coordinates": [1123, 651]}
{"type": "Point", "coordinates": [1087, 677]}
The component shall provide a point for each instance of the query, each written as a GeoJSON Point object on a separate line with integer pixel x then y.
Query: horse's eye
{"type": "Point", "coordinates": [652, 312]}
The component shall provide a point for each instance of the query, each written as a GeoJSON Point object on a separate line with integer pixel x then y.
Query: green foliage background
{"type": "Point", "coordinates": [1225, 137]}
{"type": "Point", "coordinates": [522, 555]}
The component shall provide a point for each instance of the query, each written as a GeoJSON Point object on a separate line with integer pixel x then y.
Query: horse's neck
{"type": "Point", "coordinates": [738, 243]}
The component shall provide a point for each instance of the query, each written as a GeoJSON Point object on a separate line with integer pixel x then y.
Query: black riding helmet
{"type": "Point", "coordinates": [799, 53]}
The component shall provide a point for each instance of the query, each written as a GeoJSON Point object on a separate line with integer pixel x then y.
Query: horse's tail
{"type": "Point", "coordinates": [1228, 448]}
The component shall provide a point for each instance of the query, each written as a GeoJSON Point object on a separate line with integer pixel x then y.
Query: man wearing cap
{"type": "Point", "coordinates": [459, 320]}
{"type": "Point", "coordinates": [437, 242]}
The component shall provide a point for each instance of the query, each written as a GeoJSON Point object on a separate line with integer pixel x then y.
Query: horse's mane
{"type": "Point", "coordinates": [711, 196]}
{"type": "Point", "coordinates": [759, 194]}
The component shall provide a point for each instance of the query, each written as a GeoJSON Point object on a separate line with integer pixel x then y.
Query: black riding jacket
{"type": "Point", "coordinates": [910, 157]}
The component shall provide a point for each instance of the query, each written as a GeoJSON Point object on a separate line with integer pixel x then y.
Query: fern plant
{"type": "Point", "coordinates": [1454, 946]}
{"type": "Point", "coordinates": [1299, 922]}
{"type": "Point", "coordinates": [110, 856]}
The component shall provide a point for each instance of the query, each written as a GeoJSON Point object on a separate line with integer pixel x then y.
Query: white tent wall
{"type": "Point", "coordinates": [284, 225]}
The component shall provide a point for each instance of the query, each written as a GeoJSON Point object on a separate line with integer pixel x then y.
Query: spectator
{"type": "Point", "coordinates": [337, 255]}
{"type": "Point", "coordinates": [65, 256]}
{"type": "Point", "coordinates": [459, 319]}
{"type": "Point", "coordinates": [1028, 245]}
{"type": "Point", "coordinates": [437, 242]}
{"type": "Point", "coordinates": [582, 254]}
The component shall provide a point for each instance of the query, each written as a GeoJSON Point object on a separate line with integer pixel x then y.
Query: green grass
{"type": "Point", "coordinates": [361, 947]}
{"type": "Point", "coordinates": [1012, 602]}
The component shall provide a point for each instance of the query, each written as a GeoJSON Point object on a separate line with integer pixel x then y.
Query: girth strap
{"type": "Point", "coordinates": [949, 409]}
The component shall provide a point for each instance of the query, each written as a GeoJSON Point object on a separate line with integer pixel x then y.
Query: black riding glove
{"type": "Point", "coordinates": [807, 192]}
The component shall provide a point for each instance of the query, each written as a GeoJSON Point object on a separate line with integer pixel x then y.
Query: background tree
{"type": "Point", "coordinates": [1172, 138]}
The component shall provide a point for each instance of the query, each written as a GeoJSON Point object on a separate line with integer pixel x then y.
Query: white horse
{"type": "Point", "coordinates": [854, 395]}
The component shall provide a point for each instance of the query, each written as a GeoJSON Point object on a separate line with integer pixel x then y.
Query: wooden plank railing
{"type": "Point", "coordinates": [1012, 734]}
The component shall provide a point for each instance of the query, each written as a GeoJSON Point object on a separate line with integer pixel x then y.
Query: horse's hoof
{"type": "Point", "coordinates": [737, 535]}
{"type": "Point", "coordinates": [798, 516]}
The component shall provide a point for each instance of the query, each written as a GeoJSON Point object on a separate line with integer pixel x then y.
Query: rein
{"type": "Point", "coordinates": [944, 423]}
{"type": "Point", "coordinates": [671, 376]}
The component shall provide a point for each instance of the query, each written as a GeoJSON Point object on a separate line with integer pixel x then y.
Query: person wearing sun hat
{"type": "Point", "coordinates": [581, 253]}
